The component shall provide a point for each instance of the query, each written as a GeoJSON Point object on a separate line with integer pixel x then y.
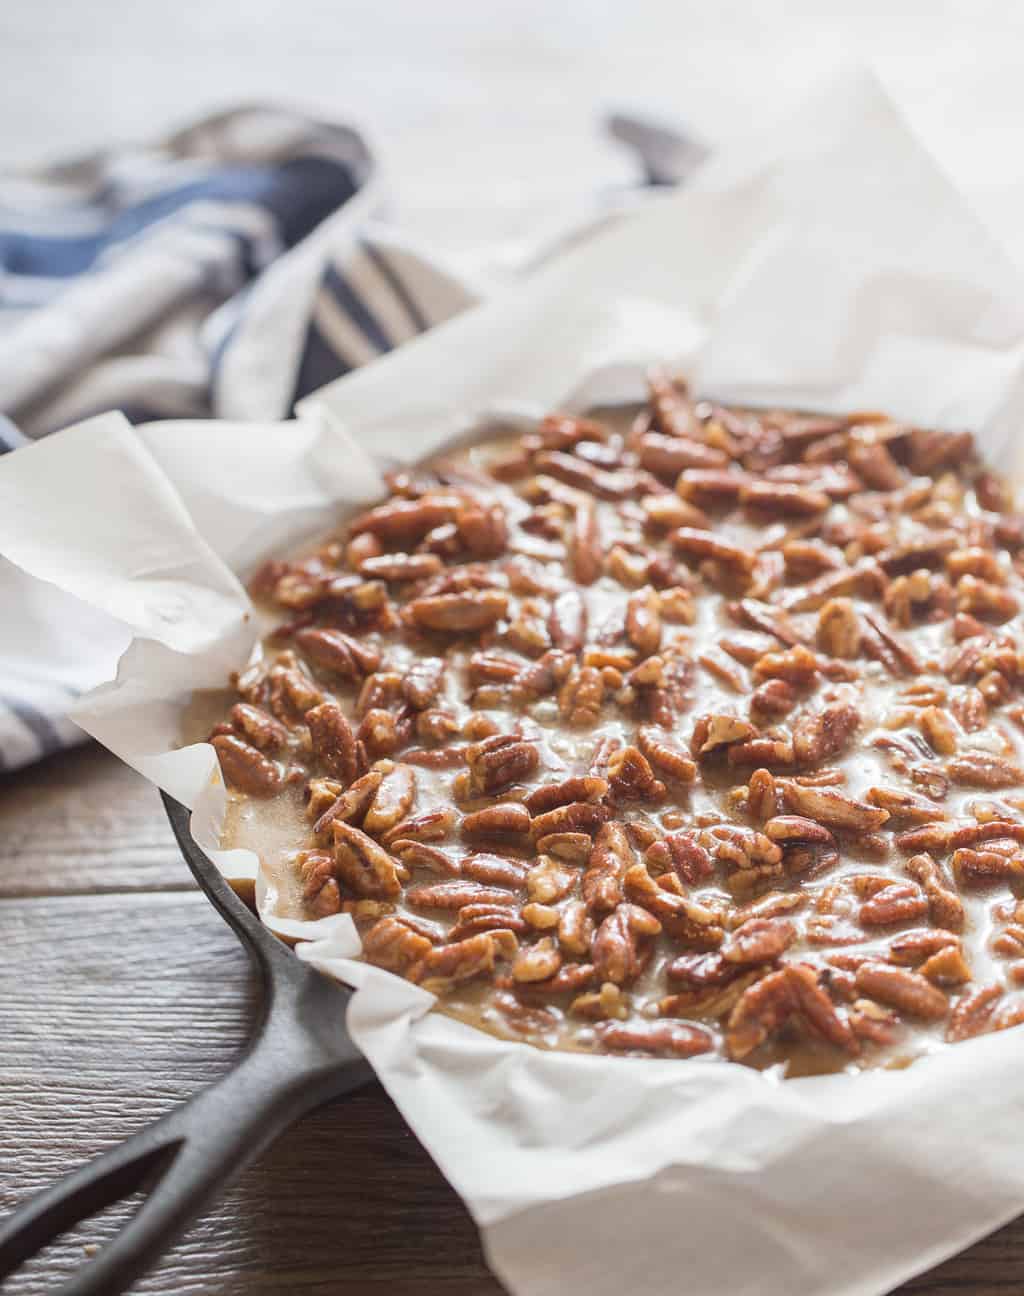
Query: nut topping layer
{"type": "Point", "coordinates": [695, 734]}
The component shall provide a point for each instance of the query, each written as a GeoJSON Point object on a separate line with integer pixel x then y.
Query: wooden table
{"type": "Point", "coordinates": [124, 993]}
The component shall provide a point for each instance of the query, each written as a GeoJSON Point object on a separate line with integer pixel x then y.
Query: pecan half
{"type": "Point", "coordinates": [918, 945]}
{"type": "Point", "coordinates": [461, 960]}
{"type": "Point", "coordinates": [786, 829]}
{"type": "Point", "coordinates": [319, 885]}
{"type": "Point", "coordinates": [666, 758]}
{"type": "Point", "coordinates": [475, 918]}
{"type": "Point", "coordinates": [586, 554]}
{"type": "Point", "coordinates": [392, 800]}
{"type": "Point", "coordinates": [498, 762]}
{"type": "Point", "coordinates": [258, 728]}
{"type": "Point", "coordinates": [643, 621]}
{"type": "Point", "coordinates": [905, 807]}
{"type": "Point", "coordinates": [482, 530]}
{"type": "Point", "coordinates": [693, 543]}
{"type": "Point", "coordinates": [406, 521]}
{"type": "Point", "coordinates": [457, 894]}
{"type": "Point", "coordinates": [666, 512]}
{"type": "Point", "coordinates": [682, 918]}
{"type": "Point", "coordinates": [944, 905]}
{"type": "Point", "coordinates": [871, 461]}
{"type": "Point", "coordinates": [418, 854]}
{"type": "Point", "coordinates": [364, 866]}
{"type": "Point", "coordinates": [574, 847]}
{"type": "Point", "coordinates": [832, 808]}
{"type": "Point", "coordinates": [783, 498]}
{"type": "Point", "coordinates": [246, 768]}
{"type": "Point", "coordinates": [986, 866]}
{"type": "Point", "coordinates": [382, 732]}
{"type": "Point", "coordinates": [907, 991]}
{"type": "Point", "coordinates": [972, 1013]}
{"type": "Point", "coordinates": [759, 1012]}
{"type": "Point", "coordinates": [392, 944]}
{"type": "Point", "coordinates": [824, 733]}
{"type": "Point", "coordinates": [577, 817]}
{"type": "Point", "coordinates": [567, 622]}
{"type": "Point", "coordinates": [979, 769]}
{"type": "Point", "coordinates": [762, 795]}
{"type": "Point", "coordinates": [818, 1009]}
{"type": "Point", "coordinates": [549, 880]}
{"type": "Point", "coordinates": [338, 652]}
{"type": "Point", "coordinates": [352, 804]}
{"type": "Point", "coordinates": [1009, 1014]}
{"type": "Point", "coordinates": [334, 743]}
{"type": "Point", "coordinates": [897, 903]}
{"type": "Point", "coordinates": [609, 859]}
{"type": "Point", "coordinates": [575, 928]}
{"type": "Point", "coordinates": [620, 945]}
{"type": "Point", "coordinates": [398, 567]}
{"type": "Point", "coordinates": [581, 696]}
{"type": "Point", "coordinates": [759, 940]}
{"type": "Point", "coordinates": [667, 456]}
{"type": "Point", "coordinates": [537, 962]}
{"type": "Point", "coordinates": [798, 666]}
{"type": "Point", "coordinates": [714, 731]}
{"type": "Point", "coordinates": [579, 788]}
{"type": "Point", "coordinates": [421, 683]}
{"type": "Point", "coordinates": [630, 777]}
{"type": "Point", "coordinates": [494, 870]}
{"type": "Point", "coordinates": [429, 826]}
{"type": "Point", "coordinates": [774, 698]}
{"type": "Point", "coordinates": [510, 819]}
{"type": "Point", "coordinates": [947, 967]}
{"type": "Point", "coordinates": [605, 485]}
{"type": "Point", "coordinates": [663, 1038]}
{"type": "Point", "coordinates": [458, 613]}
{"type": "Point", "coordinates": [865, 578]}
{"type": "Point", "coordinates": [741, 847]}
{"type": "Point", "coordinates": [683, 855]}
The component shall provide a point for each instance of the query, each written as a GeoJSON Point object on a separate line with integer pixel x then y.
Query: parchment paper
{"type": "Point", "coordinates": [831, 267]}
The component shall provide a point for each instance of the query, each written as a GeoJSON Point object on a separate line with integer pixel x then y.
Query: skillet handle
{"type": "Point", "coordinates": [302, 1058]}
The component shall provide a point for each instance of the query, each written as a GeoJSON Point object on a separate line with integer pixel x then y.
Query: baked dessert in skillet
{"type": "Point", "coordinates": [683, 730]}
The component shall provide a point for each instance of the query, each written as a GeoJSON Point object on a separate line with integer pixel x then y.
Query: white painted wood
{"type": "Point", "coordinates": [488, 114]}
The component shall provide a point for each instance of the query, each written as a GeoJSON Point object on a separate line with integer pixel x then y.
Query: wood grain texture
{"type": "Point", "coordinates": [82, 822]}
{"type": "Point", "coordinates": [118, 1005]}
{"type": "Point", "coordinates": [135, 1002]}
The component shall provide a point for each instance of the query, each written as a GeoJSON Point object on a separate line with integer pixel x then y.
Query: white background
{"type": "Point", "coordinates": [486, 112]}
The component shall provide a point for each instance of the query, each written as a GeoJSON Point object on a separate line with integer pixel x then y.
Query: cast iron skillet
{"type": "Point", "coordinates": [299, 1057]}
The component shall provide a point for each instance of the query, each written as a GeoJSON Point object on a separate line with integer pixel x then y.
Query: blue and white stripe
{"type": "Point", "coordinates": [227, 270]}
{"type": "Point", "coordinates": [34, 724]}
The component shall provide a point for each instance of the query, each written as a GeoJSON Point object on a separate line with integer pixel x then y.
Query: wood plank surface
{"type": "Point", "coordinates": [134, 1002]}
{"type": "Point", "coordinates": [83, 823]}
{"type": "Point", "coordinates": [118, 1004]}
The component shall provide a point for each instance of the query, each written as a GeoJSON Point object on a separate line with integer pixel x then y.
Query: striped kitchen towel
{"type": "Point", "coordinates": [226, 271]}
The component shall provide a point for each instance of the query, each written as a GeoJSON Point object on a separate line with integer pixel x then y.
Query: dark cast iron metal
{"type": "Point", "coordinates": [299, 1056]}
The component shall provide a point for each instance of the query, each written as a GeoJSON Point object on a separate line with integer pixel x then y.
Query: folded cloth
{"type": "Point", "coordinates": [138, 279]}
{"type": "Point", "coordinates": [224, 271]}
